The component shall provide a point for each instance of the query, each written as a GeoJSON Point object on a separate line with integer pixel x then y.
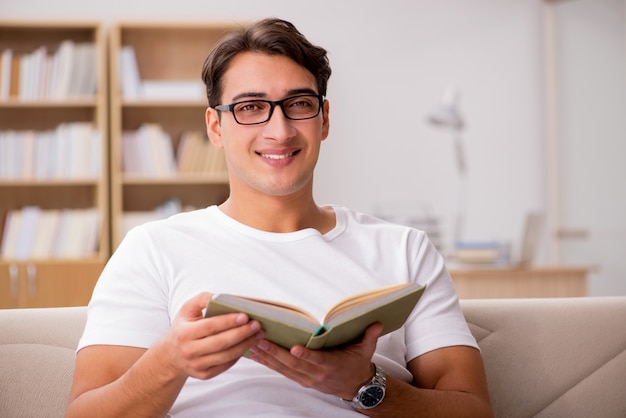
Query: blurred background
{"type": "Point", "coordinates": [540, 87]}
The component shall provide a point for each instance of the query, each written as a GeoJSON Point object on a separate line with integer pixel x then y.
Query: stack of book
{"type": "Point", "coordinates": [196, 154]}
{"type": "Point", "coordinates": [34, 233]}
{"type": "Point", "coordinates": [69, 72]}
{"type": "Point", "coordinates": [149, 151]}
{"type": "Point", "coordinates": [477, 252]}
{"type": "Point", "coordinates": [71, 151]}
{"type": "Point", "coordinates": [170, 207]}
{"type": "Point", "coordinates": [135, 88]}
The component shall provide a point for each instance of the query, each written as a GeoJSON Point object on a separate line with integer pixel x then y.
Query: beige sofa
{"type": "Point", "coordinates": [544, 357]}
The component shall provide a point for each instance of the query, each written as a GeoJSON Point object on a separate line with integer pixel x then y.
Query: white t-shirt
{"type": "Point", "coordinates": [160, 265]}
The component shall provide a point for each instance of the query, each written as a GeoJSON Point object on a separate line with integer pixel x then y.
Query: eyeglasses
{"type": "Point", "coordinates": [254, 112]}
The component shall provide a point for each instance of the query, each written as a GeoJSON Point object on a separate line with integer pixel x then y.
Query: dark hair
{"type": "Point", "coordinates": [270, 36]}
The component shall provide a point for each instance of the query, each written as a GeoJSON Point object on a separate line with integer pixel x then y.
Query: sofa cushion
{"type": "Point", "coordinates": [543, 357]}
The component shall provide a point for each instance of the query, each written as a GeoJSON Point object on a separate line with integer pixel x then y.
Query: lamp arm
{"type": "Point", "coordinates": [461, 161]}
{"type": "Point", "coordinates": [459, 221]}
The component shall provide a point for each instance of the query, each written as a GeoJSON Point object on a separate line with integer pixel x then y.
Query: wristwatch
{"type": "Point", "coordinates": [371, 394]}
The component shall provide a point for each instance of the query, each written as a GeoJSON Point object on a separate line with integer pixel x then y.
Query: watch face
{"type": "Point", "coordinates": [372, 396]}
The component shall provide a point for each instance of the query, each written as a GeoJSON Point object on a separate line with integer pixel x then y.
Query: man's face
{"type": "Point", "coordinates": [276, 157]}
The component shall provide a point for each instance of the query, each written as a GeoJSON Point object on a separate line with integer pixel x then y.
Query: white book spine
{"type": "Point", "coordinates": [5, 81]}
{"type": "Point", "coordinates": [28, 229]}
{"type": "Point", "coordinates": [64, 72]}
{"type": "Point", "coordinates": [129, 73]}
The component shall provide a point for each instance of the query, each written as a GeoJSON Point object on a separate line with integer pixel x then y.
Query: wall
{"type": "Point", "coordinates": [391, 61]}
{"type": "Point", "coordinates": [590, 40]}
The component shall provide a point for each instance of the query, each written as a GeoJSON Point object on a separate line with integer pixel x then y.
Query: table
{"type": "Point", "coordinates": [475, 282]}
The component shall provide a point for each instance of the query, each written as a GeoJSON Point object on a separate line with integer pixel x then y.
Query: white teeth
{"type": "Point", "coordinates": [276, 156]}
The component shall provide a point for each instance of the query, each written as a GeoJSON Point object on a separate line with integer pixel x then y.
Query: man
{"type": "Point", "coordinates": [147, 349]}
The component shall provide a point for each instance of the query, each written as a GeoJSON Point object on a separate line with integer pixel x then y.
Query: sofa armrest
{"type": "Point", "coordinates": [37, 353]}
{"type": "Point", "coordinates": [563, 357]}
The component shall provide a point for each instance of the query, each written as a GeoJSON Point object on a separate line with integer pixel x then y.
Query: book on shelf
{"type": "Point", "coordinates": [25, 240]}
{"type": "Point", "coordinates": [172, 90]}
{"type": "Point", "coordinates": [11, 233]}
{"type": "Point", "coordinates": [14, 76]}
{"type": "Point", "coordinates": [345, 322]}
{"type": "Point", "coordinates": [148, 151]}
{"type": "Point", "coordinates": [47, 229]}
{"type": "Point", "coordinates": [35, 233]}
{"type": "Point", "coordinates": [76, 71]}
{"type": "Point", "coordinates": [131, 219]}
{"type": "Point", "coordinates": [72, 150]}
{"type": "Point", "coordinates": [196, 154]}
{"type": "Point", "coordinates": [4, 214]}
{"type": "Point", "coordinates": [135, 88]}
{"type": "Point", "coordinates": [27, 146]}
{"type": "Point", "coordinates": [188, 150]}
{"type": "Point", "coordinates": [5, 73]}
{"type": "Point", "coordinates": [169, 207]}
{"type": "Point", "coordinates": [63, 70]}
{"type": "Point", "coordinates": [30, 69]}
{"type": "Point", "coordinates": [130, 79]}
{"type": "Point", "coordinates": [477, 252]}
{"type": "Point", "coordinates": [68, 72]}
{"type": "Point", "coordinates": [77, 233]}
{"type": "Point", "coordinates": [84, 71]}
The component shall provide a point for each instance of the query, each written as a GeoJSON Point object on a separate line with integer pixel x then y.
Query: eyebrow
{"type": "Point", "coordinates": [259, 95]}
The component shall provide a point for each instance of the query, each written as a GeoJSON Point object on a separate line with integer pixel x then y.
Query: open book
{"type": "Point", "coordinates": [346, 321]}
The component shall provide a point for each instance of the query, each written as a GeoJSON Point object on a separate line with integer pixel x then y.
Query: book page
{"type": "Point", "coordinates": [271, 309]}
{"type": "Point", "coordinates": [362, 298]}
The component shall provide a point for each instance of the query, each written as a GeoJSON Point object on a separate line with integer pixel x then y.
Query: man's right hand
{"type": "Point", "coordinates": [205, 347]}
{"type": "Point", "coordinates": [120, 380]}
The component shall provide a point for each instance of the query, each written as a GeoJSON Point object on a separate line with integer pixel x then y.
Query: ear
{"type": "Point", "coordinates": [325, 119]}
{"type": "Point", "coordinates": [213, 127]}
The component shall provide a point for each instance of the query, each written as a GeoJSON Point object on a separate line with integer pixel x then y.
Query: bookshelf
{"type": "Point", "coordinates": [158, 93]}
{"type": "Point", "coordinates": [54, 158]}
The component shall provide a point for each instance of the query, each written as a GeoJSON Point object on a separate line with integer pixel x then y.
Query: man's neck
{"type": "Point", "coordinates": [280, 213]}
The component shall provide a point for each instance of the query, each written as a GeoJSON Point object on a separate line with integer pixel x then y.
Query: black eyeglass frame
{"type": "Point", "coordinates": [231, 107]}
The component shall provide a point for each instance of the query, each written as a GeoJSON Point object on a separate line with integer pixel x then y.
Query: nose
{"type": "Point", "coordinates": [278, 127]}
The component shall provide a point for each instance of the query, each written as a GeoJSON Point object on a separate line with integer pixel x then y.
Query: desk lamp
{"type": "Point", "coordinates": [447, 115]}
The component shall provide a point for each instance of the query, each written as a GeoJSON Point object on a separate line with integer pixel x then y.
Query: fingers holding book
{"type": "Point", "coordinates": [205, 347]}
{"type": "Point", "coordinates": [335, 371]}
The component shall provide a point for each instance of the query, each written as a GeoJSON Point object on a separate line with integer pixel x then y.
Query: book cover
{"type": "Point", "coordinates": [346, 321]}
{"type": "Point", "coordinates": [12, 226]}
{"type": "Point", "coordinates": [5, 79]}
{"type": "Point", "coordinates": [129, 73]}
{"type": "Point", "coordinates": [47, 228]}
{"type": "Point", "coordinates": [172, 90]}
{"type": "Point", "coordinates": [28, 232]}
{"type": "Point", "coordinates": [14, 86]}
{"type": "Point", "coordinates": [66, 55]}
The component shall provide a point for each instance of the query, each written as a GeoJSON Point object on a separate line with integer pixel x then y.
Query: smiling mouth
{"type": "Point", "coordinates": [278, 156]}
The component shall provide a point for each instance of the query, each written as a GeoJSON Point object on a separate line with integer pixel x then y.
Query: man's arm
{"type": "Point", "coordinates": [446, 382]}
{"type": "Point", "coordinates": [116, 381]}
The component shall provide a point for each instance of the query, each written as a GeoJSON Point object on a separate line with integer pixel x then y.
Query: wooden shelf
{"type": "Point", "coordinates": [164, 51]}
{"type": "Point", "coordinates": [164, 103]}
{"type": "Point", "coordinates": [184, 178]}
{"type": "Point", "coordinates": [55, 282]}
{"type": "Point", "coordinates": [13, 103]}
{"type": "Point", "coordinates": [49, 182]}
{"type": "Point", "coordinates": [48, 283]}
